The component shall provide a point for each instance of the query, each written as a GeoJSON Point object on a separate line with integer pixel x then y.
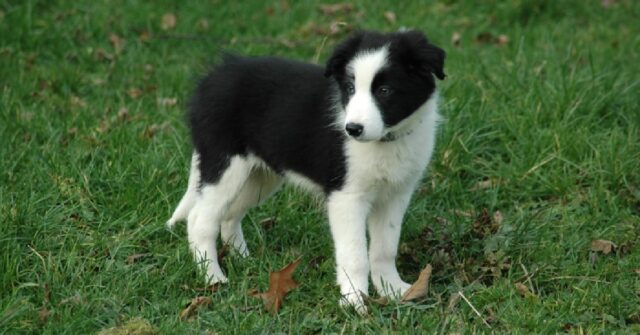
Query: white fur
{"type": "Point", "coordinates": [362, 108]}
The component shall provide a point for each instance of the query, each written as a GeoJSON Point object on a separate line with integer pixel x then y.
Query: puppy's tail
{"type": "Point", "coordinates": [190, 196]}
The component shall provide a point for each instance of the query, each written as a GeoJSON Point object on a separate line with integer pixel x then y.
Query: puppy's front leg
{"type": "Point", "coordinates": [347, 218]}
{"type": "Point", "coordinates": [385, 223]}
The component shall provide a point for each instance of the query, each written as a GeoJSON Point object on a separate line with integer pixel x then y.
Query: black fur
{"type": "Point", "coordinates": [279, 110]}
{"type": "Point", "coordinates": [283, 111]}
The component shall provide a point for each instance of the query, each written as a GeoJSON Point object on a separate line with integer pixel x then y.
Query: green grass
{"type": "Point", "coordinates": [552, 116]}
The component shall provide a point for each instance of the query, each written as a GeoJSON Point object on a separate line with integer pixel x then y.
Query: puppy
{"type": "Point", "coordinates": [360, 131]}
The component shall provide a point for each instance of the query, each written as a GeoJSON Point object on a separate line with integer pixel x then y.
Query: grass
{"type": "Point", "coordinates": [94, 158]}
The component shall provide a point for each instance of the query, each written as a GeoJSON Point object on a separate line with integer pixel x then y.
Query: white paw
{"type": "Point", "coordinates": [218, 279]}
{"type": "Point", "coordinates": [354, 300]}
{"type": "Point", "coordinates": [393, 290]}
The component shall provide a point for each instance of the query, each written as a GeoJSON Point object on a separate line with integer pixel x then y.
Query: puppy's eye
{"type": "Point", "coordinates": [350, 89]}
{"type": "Point", "coordinates": [383, 91]}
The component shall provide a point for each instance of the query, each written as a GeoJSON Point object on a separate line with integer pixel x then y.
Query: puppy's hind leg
{"type": "Point", "coordinates": [259, 187]}
{"type": "Point", "coordinates": [190, 196]}
{"type": "Point", "coordinates": [203, 224]}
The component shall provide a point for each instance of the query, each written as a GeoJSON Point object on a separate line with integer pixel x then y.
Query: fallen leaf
{"type": "Point", "coordinates": [189, 311]}
{"type": "Point", "coordinates": [455, 40]}
{"type": "Point", "coordinates": [168, 21]}
{"type": "Point", "coordinates": [117, 42]}
{"type": "Point", "coordinates": [390, 17]}
{"type": "Point", "coordinates": [420, 288]}
{"type": "Point", "coordinates": [333, 9]}
{"type": "Point", "coordinates": [603, 246]}
{"type": "Point", "coordinates": [637, 271]}
{"type": "Point", "coordinates": [280, 283]}
{"type": "Point", "coordinates": [43, 314]}
{"type": "Point", "coordinates": [523, 290]}
{"type": "Point", "coordinates": [144, 36]}
{"type": "Point", "coordinates": [134, 92]}
{"type": "Point", "coordinates": [136, 257]}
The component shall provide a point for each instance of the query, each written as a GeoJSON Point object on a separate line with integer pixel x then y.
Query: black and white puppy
{"type": "Point", "coordinates": [361, 131]}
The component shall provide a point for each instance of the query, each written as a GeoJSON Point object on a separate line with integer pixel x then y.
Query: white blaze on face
{"type": "Point", "coordinates": [361, 108]}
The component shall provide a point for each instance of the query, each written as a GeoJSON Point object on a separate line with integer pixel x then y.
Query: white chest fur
{"type": "Point", "coordinates": [395, 164]}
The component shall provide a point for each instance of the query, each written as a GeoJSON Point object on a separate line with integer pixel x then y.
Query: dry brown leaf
{"type": "Point", "coordinates": [637, 271]}
{"type": "Point", "coordinates": [43, 314]}
{"type": "Point", "coordinates": [134, 92]}
{"type": "Point", "coordinates": [144, 36]}
{"type": "Point", "coordinates": [390, 17]}
{"type": "Point", "coordinates": [117, 42]}
{"type": "Point", "coordinates": [333, 9]}
{"type": "Point", "coordinates": [455, 40]}
{"type": "Point", "coordinates": [280, 283]}
{"type": "Point", "coordinates": [604, 246]}
{"type": "Point", "coordinates": [189, 311]}
{"type": "Point", "coordinates": [420, 288]}
{"type": "Point", "coordinates": [522, 289]}
{"type": "Point", "coordinates": [168, 21]}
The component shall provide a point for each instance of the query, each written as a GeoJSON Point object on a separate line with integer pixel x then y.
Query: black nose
{"type": "Point", "coordinates": [354, 129]}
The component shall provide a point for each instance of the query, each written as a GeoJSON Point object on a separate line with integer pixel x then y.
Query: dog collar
{"type": "Point", "coordinates": [392, 136]}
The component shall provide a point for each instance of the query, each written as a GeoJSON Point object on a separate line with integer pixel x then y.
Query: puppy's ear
{"type": "Point", "coordinates": [342, 54]}
{"type": "Point", "coordinates": [422, 56]}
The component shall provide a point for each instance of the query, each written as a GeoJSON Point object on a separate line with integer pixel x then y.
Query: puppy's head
{"type": "Point", "coordinates": [383, 79]}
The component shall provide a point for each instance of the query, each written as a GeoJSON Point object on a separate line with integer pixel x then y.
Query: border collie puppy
{"type": "Point", "coordinates": [361, 131]}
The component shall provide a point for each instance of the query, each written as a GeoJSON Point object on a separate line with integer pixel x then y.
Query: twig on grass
{"type": "Point", "coordinates": [474, 309]}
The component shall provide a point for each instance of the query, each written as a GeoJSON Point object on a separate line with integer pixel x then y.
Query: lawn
{"type": "Point", "coordinates": [538, 157]}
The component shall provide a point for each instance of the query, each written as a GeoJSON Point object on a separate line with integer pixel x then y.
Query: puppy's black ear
{"type": "Point", "coordinates": [342, 54]}
{"type": "Point", "coordinates": [422, 56]}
